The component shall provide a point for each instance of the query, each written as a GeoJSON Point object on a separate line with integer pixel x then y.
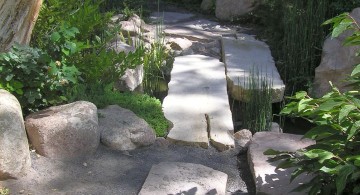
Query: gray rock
{"type": "Point", "coordinates": [64, 132]}
{"type": "Point", "coordinates": [161, 142]}
{"type": "Point", "coordinates": [14, 150]}
{"type": "Point", "coordinates": [337, 63]}
{"type": "Point", "coordinates": [131, 79]}
{"type": "Point", "coordinates": [243, 137]}
{"type": "Point", "coordinates": [230, 9]}
{"type": "Point", "coordinates": [179, 43]}
{"type": "Point", "coordinates": [119, 46]}
{"type": "Point", "coordinates": [268, 179]}
{"type": "Point", "coordinates": [184, 178]}
{"type": "Point", "coordinates": [134, 26]}
{"type": "Point", "coordinates": [121, 129]}
{"type": "Point", "coordinates": [207, 5]}
{"type": "Point", "coordinates": [275, 127]}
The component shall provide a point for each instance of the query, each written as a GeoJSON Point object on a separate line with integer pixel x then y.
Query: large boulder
{"type": "Point", "coordinates": [64, 132]}
{"type": "Point", "coordinates": [230, 9]}
{"type": "Point", "coordinates": [14, 147]}
{"type": "Point", "coordinates": [337, 62]}
{"type": "Point", "coordinates": [207, 5]}
{"type": "Point", "coordinates": [121, 129]}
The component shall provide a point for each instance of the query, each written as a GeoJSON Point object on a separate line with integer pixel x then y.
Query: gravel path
{"type": "Point", "coordinates": [113, 172]}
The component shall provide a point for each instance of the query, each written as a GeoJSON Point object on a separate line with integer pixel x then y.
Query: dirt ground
{"type": "Point", "coordinates": [114, 172]}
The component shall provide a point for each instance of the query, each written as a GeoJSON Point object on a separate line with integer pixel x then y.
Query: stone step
{"type": "Point", "coordinates": [183, 178]}
{"type": "Point", "coordinates": [244, 54]}
{"type": "Point", "coordinates": [268, 180]}
{"type": "Point", "coordinates": [197, 101]}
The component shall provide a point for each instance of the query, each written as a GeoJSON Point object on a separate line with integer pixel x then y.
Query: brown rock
{"type": "Point", "coordinates": [64, 132]}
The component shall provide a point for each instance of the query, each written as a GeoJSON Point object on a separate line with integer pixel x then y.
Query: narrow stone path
{"type": "Point", "coordinates": [197, 103]}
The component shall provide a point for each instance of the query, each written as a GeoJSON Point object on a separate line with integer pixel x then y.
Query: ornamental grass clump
{"type": "Point", "coordinates": [257, 108]}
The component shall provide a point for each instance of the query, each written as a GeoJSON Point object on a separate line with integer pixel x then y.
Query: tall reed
{"type": "Point", "coordinates": [295, 35]}
{"type": "Point", "coordinates": [257, 107]}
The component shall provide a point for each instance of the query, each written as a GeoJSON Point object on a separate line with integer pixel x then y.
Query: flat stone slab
{"type": "Point", "coordinates": [197, 103]}
{"type": "Point", "coordinates": [184, 178]}
{"type": "Point", "coordinates": [267, 179]}
{"type": "Point", "coordinates": [170, 17]}
{"type": "Point", "coordinates": [245, 54]}
{"type": "Point", "coordinates": [191, 34]}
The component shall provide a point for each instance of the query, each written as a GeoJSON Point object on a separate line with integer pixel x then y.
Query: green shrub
{"type": "Point", "coordinates": [34, 77]}
{"type": "Point", "coordinates": [334, 160]}
{"type": "Point", "coordinates": [144, 106]}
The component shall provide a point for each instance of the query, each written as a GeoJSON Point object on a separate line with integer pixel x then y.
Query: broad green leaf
{"type": "Point", "coordinates": [356, 70]}
{"type": "Point", "coordinates": [301, 95]}
{"type": "Point", "coordinates": [328, 105]}
{"type": "Point", "coordinates": [302, 104]}
{"type": "Point", "coordinates": [55, 37]}
{"type": "Point", "coordinates": [357, 163]}
{"type": "Point", "coordinates": [320, 132]}
{"type": "Point", "coordinates": [284, 164]}
{"type": "Point", "coordinates": [345, 110]}
{"type": "Point", "coordinates": [319, 154]}
{"type": "Point", "coordinates": [343, 25]}
{"type": "Point", "coordinates": [354, 130]}
{"type": "Point", "coordinates": [341, 179]}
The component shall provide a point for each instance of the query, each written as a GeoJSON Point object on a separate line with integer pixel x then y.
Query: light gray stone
{"type": "Point", "coordinates": [275, 127]}
{"type": "Point", "coordinates": [121, 129]}
{"type": "Point", "coordinates": [119, 46]}
{"type": "Point", "coordinates": [179, 43]}
{"type": "Point", "coordinates": [230, 9]}
{"type": "Point", "coordinates": [337, 63]}
{"type": "Point", "coordinates": [184, 178]}
{"type": "Point", "coordinates": [191, 34]}
{"type": "Point", "coordinates": [131, 79]}
{"type": "Point", "coordinates": [243, 55]}
{"type": "Point", "coordinates": [243, 137]}
{"type": "Point", "coordinates": [198, 89]}
{"type": "Point", "coordinates": [14, 150]}
{"type": "Point", "coordinates": [134, 26]}
{"type": "Point", "coordinates": [64, 132]}
{"type": "Point", "coordinates": [170, 17]}
{"type": "Point", "coordinates": [207, 5]}
{"type": "Point", "coordinates": [269, 180]}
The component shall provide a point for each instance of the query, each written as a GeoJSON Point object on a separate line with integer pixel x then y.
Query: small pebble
{"type": "Point", "coordinates": [85, 164]}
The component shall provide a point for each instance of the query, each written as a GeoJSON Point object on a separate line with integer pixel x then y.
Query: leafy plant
{"type": "Point", "coordinates": [34, 78]}
{"type": "Point", "coordinates": [144, 106]}
{"type": "Point", "coordinates": [157, 60]}
{"type": "Point", "coordinates": [257, 109]}
{"type": "Point", "coordinates": [334, 160]}
{"type": "Point", "coordinates": [4, 191]}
